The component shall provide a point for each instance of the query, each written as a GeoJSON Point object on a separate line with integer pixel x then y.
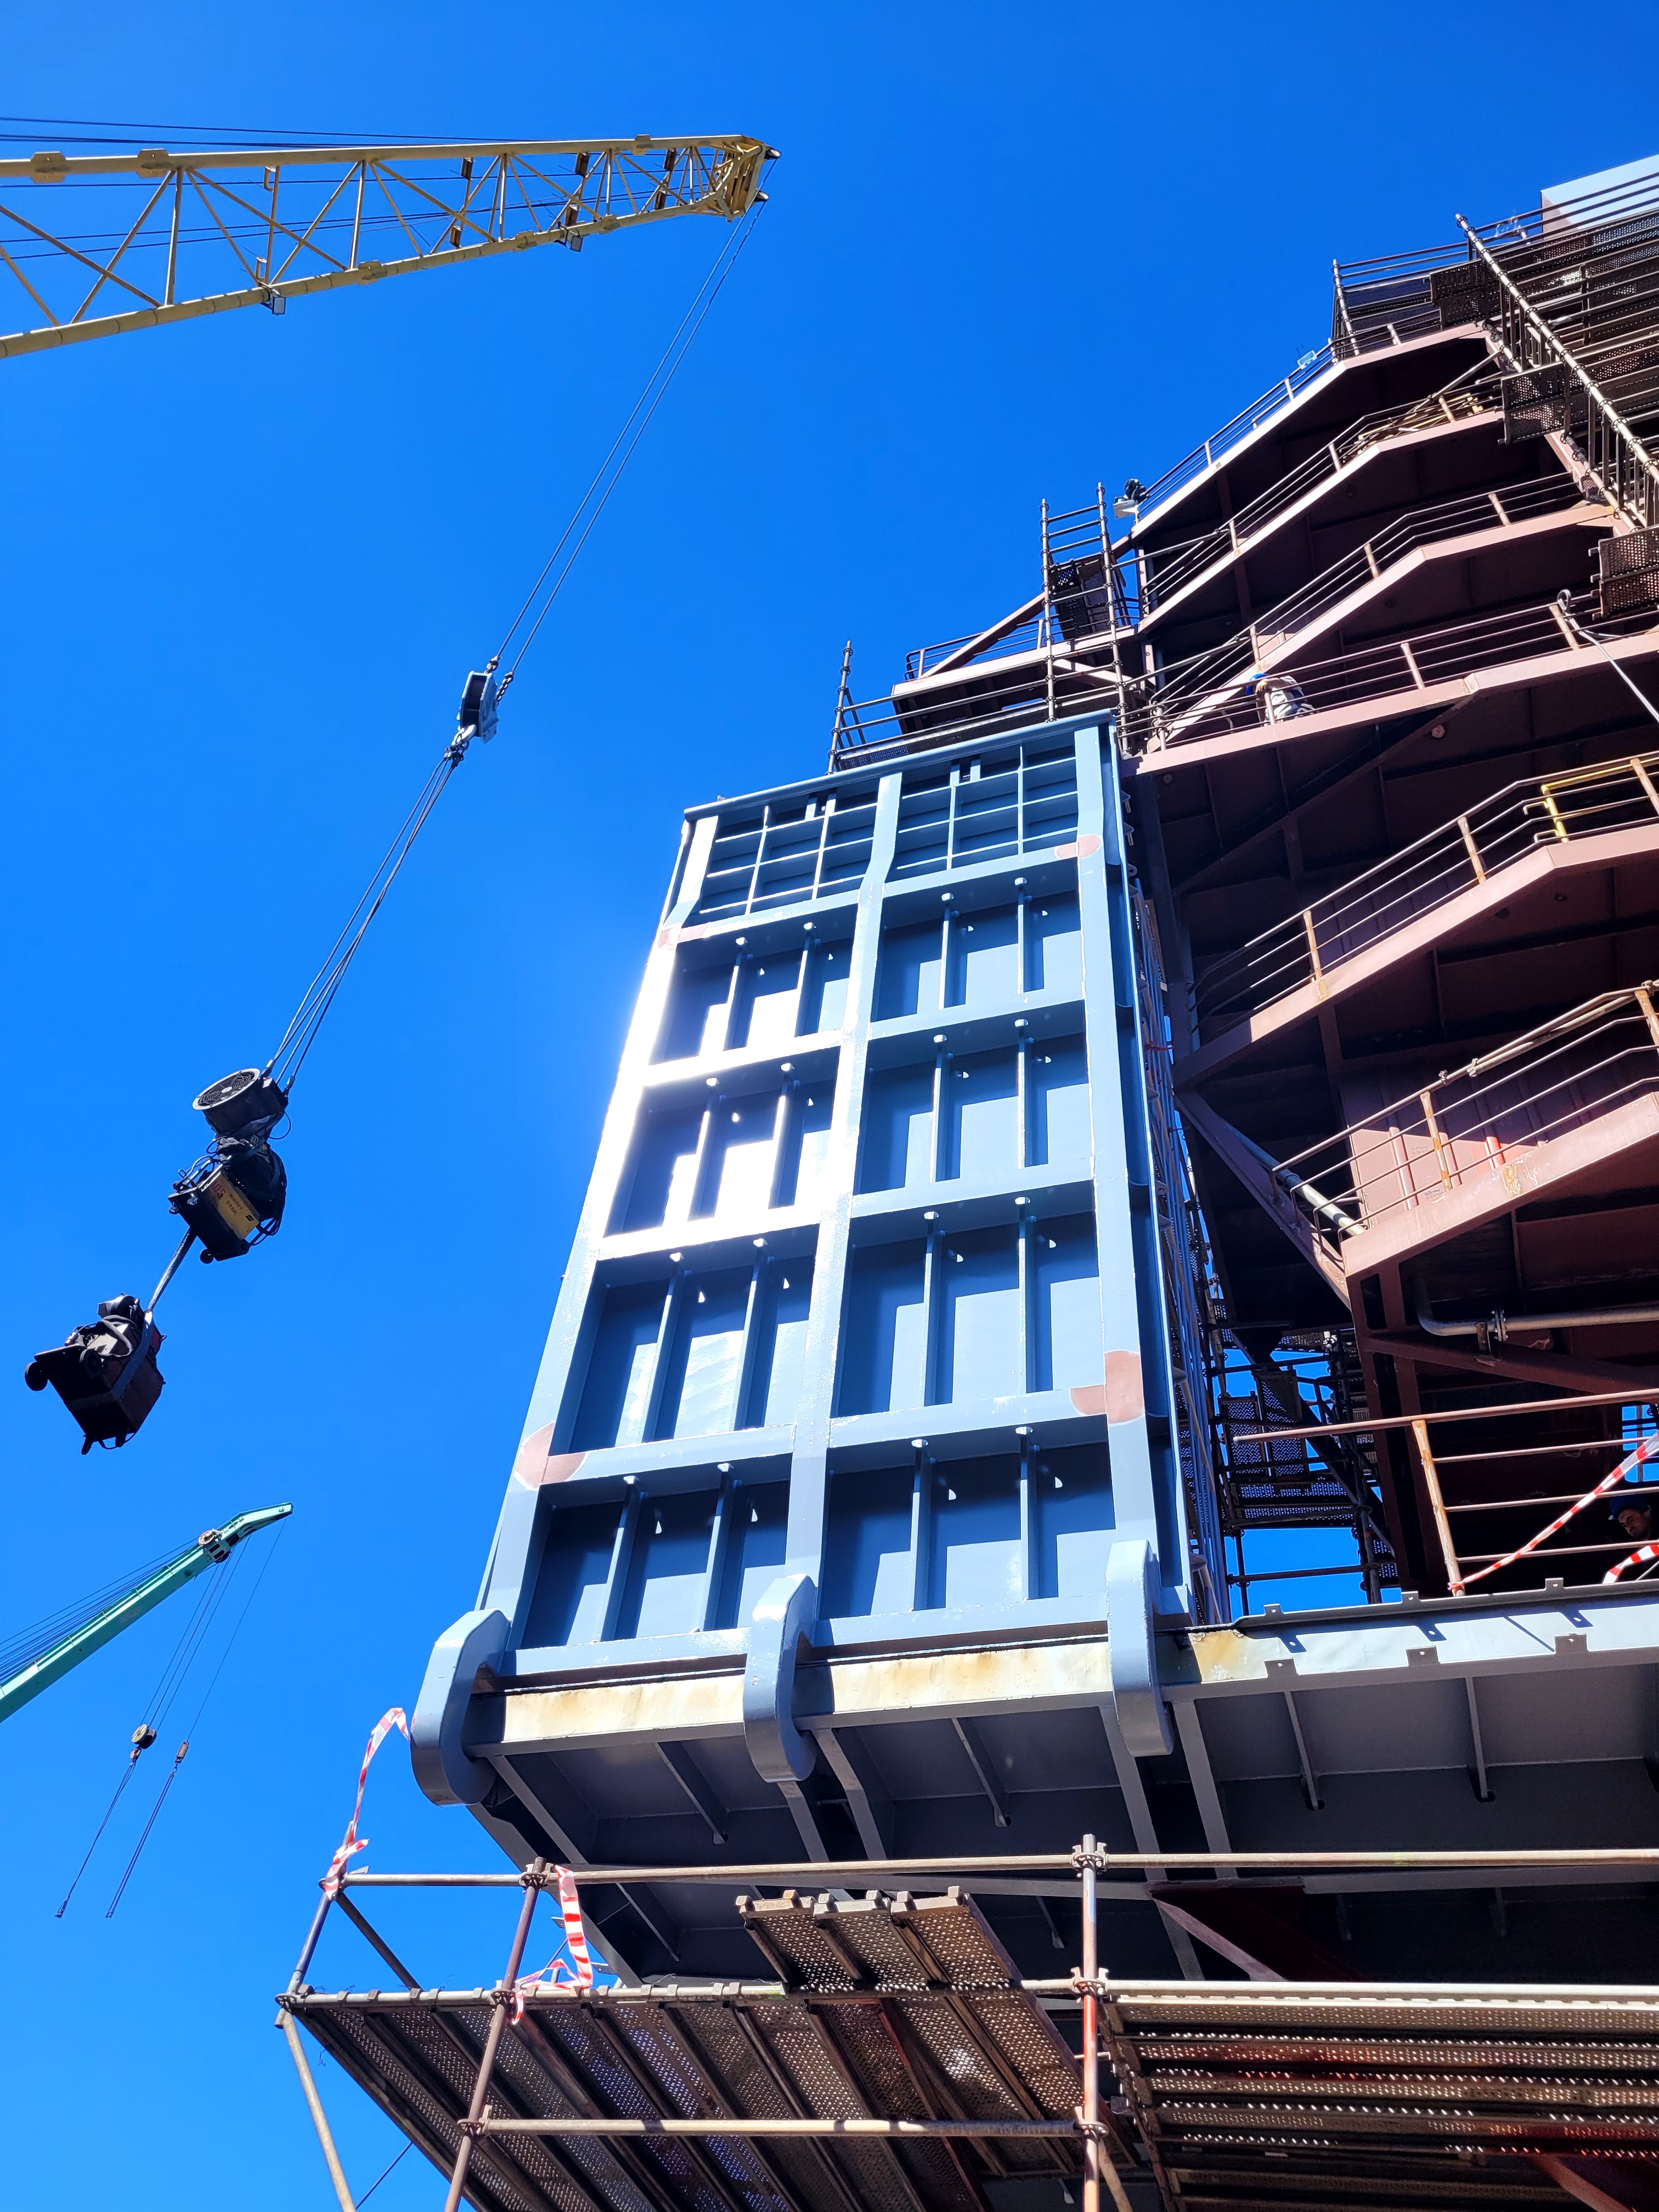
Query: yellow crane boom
{"type": "Point", "coordinates": [158, 237]}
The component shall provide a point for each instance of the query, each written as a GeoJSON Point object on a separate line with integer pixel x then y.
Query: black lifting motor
{"type": "Point", "coordinates": [105, 1371]}
{"type": "Point", "coordinates": [234, 1194]}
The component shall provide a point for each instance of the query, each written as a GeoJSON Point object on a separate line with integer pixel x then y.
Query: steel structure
{"type": "Point", "coordinates": [1186, 1067]}
{"type": "Point", "coordinates": [156, 237]}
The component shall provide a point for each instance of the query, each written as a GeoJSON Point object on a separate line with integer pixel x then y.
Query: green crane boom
{"type": "Point", "coordinates": [211, 1548]}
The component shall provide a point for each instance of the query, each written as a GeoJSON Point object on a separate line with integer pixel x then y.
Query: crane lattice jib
{"type": "Point", "coordinates": [158, 237]}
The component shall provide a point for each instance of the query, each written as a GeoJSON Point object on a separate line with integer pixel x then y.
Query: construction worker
{"type": "Point", "coordinates": [1278, 698]}
{"type": "Point", "coordinates": [1635, 1516]}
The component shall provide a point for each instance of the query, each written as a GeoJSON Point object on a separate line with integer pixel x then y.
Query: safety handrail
{"type": "Point", "coordinates": [1310, 946]}
{"type": "Point", "coordinates": [1368, 563]}
{"type": "Point", "coordinates": [1613, 452]}
{"type": "Point", "coordinates": [1169, 570]}
{"type": "Point", "coordinates": [1145, 580]}
{"type": "Point", "coordinates": [1469, 1127]}
{"type": "Point", "coordinates": [1051, 686]}
{"type": "Point", "coordinates": [1415, 663]}
{"type": "Point", "coordinates": [1413, 321]}
{"type": "Point", "coordinates": [1307, 370]}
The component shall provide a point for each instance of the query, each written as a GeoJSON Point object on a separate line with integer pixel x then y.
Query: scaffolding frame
{"type": "Point", "coordinates": [1096, 1993]}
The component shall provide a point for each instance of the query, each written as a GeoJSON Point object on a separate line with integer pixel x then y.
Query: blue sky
{"type": "Point", "coordinates": [245, 565]}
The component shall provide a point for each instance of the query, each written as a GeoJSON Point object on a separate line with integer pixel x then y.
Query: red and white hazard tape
{"type": "Point", "coordinates": [1642, 1552]}
{"type": "Point", "coordinates": [1645, 1450]}
{"type": "Point", "coordinates": [555, 1974]}
{"type": "Point", "coordinates": [350, 1844]}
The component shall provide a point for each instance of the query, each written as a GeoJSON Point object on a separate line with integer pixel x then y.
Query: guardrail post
{"type": "Point", "coordinates": [1472, 849]}
{"type": "Point", "coordinates": [1436, 1139]}
{"type": "Point", "coordinates": [1438, 1506]}
{"type": "Point", "coordinates": [1313, 952]}
{"type": "Point", "coordinates": [503, 1999]}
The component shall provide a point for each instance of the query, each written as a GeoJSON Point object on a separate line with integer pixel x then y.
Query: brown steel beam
{"type": "Point", "coordinates": [1565, 1370]}
{"type": "Point", "coordinates": [653, 2125]}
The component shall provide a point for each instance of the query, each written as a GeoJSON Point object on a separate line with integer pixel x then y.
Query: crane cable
{"type": "Point", "coordinates": [158, 1704]}
{"type": "Point", "coordinates": [196, 1722]}
{"type": "Point", "coordinates": [169, 1686]}
{"type": "Point", "coordinates": [300, 1034]}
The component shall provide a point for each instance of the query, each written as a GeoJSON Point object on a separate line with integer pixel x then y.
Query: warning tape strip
{"type": "Point", "coordinates": [1642, 1552]}
{"type": "Point", "coordinates": [555, 1974]}
{"type": "Point", "coordinates": [350, 1843]}
{"type": "Point", "coordinates": [1644, 1451]}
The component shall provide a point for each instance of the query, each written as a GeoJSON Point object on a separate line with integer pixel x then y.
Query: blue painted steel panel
{"type": "Point", "coordinates": [1068, 1352]}
{"type": "Point", "coordinates": [767, 1002]}
{"type": "Point", "coordinates": [1058, 1120]}
{"type": "Point", "coordinates": [700, 1393]}
{"type": "Point", "coordinates": [659, 1188]}
{"type": "Point", "coordinates": [885, 1350]}
{"type": "Point", "coordinates": [984, 963]}
{"type": "Point", "coordinates": [783, 1374]}
{"type": "Point", "coordinates": [867, 1565]}
{"type": "Point", "coordinates": [570, 1593]}
{"type": "Point", "coordinates": [977, 1556]}
{"type": "Point", "coordinates": [756, 1553]}
{"type": "Point", "coordinates": [898, 1129]}
{"type": "Point", "coordinates": [980, 1139]}
{"type": "Point", "coordinates": [863, 1321]}
{"type": "Point", "coordinates": [1054, 960]}
{"type": "Point", "coordinates": [614, 1403]}
{"type": "Point", "coordinates": [665, 1572]}
{"type": "Point", "coordinates": [912, 963]}
{"type": "Point", "coordinates": [981, 1337]}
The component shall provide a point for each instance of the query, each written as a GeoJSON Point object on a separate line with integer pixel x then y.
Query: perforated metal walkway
{"type": "Point", "coordinates": [1315, 2095]}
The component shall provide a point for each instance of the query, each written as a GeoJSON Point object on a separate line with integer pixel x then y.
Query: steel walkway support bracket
{"type": "Point", "coordinates": [442, 1766]}
{"type": "Point", "coordinates": [1132, 1586]}
{"type": "Point", "coordinates": [783, 1616]}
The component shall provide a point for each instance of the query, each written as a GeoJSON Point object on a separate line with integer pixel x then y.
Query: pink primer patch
{"type": "Point", "coordinates": [1120, 1397]}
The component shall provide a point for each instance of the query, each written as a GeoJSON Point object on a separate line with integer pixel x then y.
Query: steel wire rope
{"type": "Point", "coordinates": [300, 1034]}
{"type": "Point", "coordinates": [33, 1642]}
{"type": "Point", "coordinates": [297, 138]}
{"type": "Point", "coordinates": [728, 253]}
{"type": "Point", "coordinates": [289, 1057]}
{"type": "Point", "coordinates": [383, 2174]}
{"type": "Point", "coordinates": [156, 1710]}
{"type": "Point", "coordinates": [196, 1722]}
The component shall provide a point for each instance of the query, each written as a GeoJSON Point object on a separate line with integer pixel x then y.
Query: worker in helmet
{"type": "Point", "coordinates": [1635, 1516]}
{"type": "Point", "coordinates": [1278, 698]}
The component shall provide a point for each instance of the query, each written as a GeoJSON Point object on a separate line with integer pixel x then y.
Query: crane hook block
{"type": "Point", "coordinates": [476, 715]}
{"type": "Point", "coordinates": [105, 1372]}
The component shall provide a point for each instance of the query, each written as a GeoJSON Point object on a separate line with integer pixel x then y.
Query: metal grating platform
{"type": "Point", "coordinates": [1325, 2095]}
{"type": "Point", "coordinates": [886, 2011]}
